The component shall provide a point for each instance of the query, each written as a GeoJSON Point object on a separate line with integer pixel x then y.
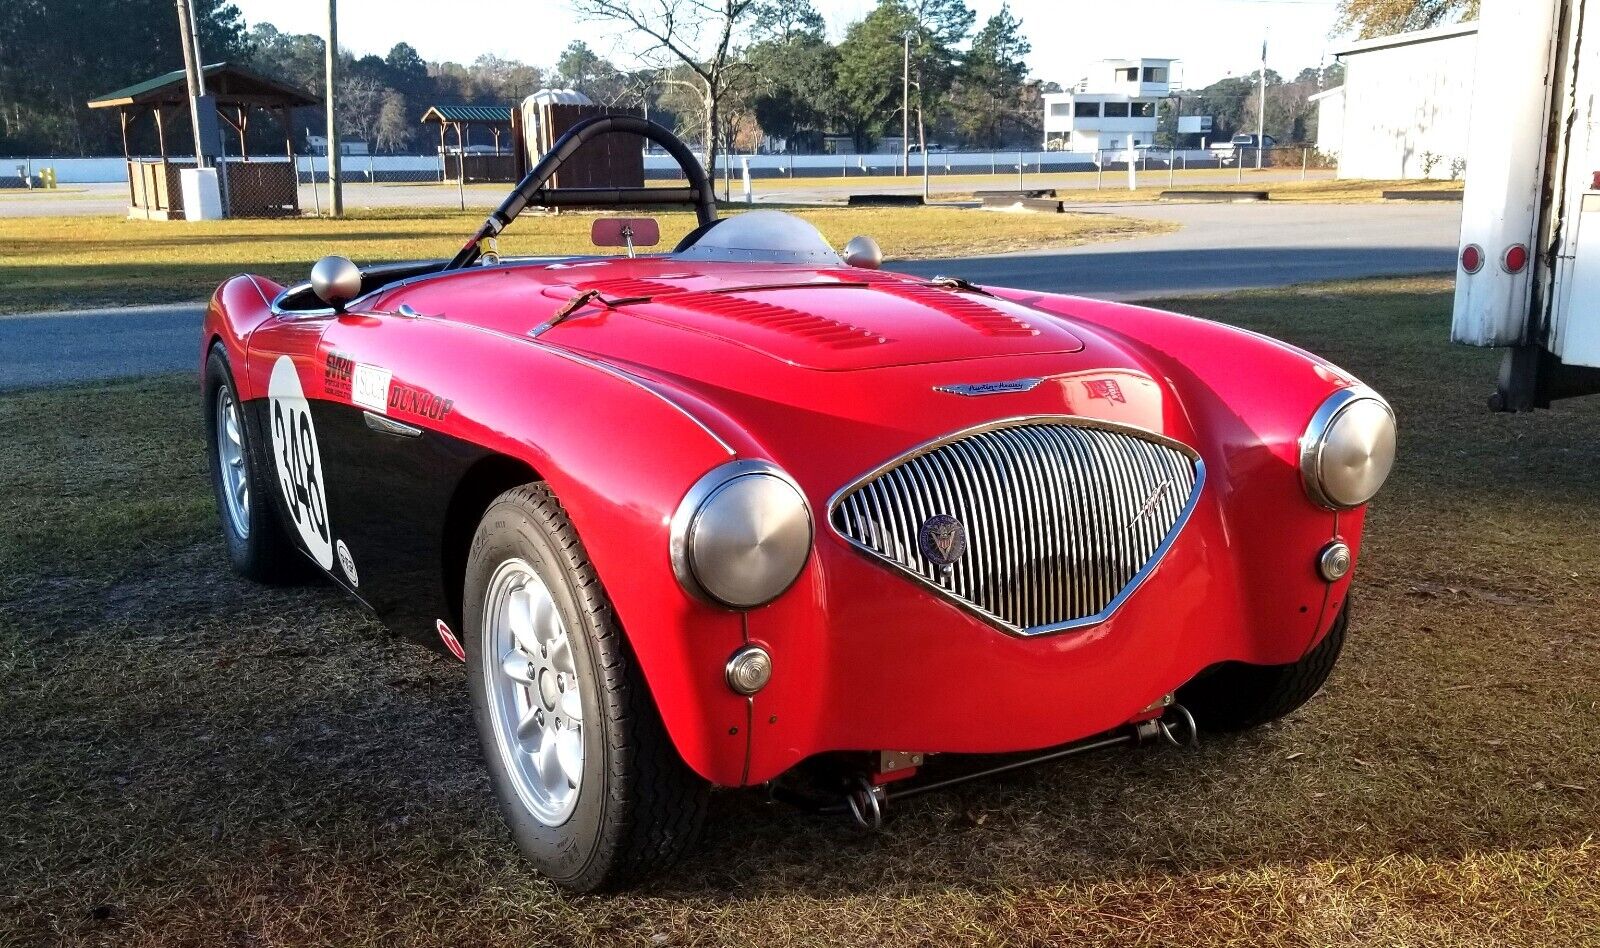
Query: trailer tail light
{"type": "Point", "coordinates": [1515, 259]}
{"type": "Point", "coordinates": [1594, 183]}
{"type": "Point", "coordinates": [1472, 258]}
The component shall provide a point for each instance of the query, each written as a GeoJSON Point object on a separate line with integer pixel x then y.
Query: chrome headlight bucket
{"type": "Point", "coordinates": [1348, 449]}
{"type": "Point", "coordinates": [741, 535]}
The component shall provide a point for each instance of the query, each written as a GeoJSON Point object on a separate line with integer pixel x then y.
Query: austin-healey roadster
{"type": "Point", "coordinates": [756, 512]}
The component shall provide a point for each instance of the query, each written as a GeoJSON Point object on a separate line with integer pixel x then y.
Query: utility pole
{"type": "Point", "coordinates": [191, 73]}
{"type": "Point", "coordinates": [1261, 107]}
{"type": "Point", "coordinates": [905, 107]}
{"type": "Point", "coordinates": [335, 189]}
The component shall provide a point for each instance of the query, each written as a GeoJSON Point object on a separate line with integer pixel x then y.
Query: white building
{"type": "Point", "coordinates": [1117, 106]}
{"type": "Point", "coordinates": [1404, 107]}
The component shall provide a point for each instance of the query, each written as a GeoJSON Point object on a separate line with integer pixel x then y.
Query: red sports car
{"type": "Point", "coordinates": [753, 512]}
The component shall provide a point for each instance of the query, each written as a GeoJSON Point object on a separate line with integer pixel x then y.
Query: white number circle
{"type": "Point", "coordinates": [299, 463]}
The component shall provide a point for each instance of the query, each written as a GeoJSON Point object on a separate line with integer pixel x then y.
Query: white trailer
{"type": "Point", "coordinates": [1528, 267]}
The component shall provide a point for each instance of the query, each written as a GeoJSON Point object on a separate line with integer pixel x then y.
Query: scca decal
{"type": "Point", "coordinates": [415, 401]}
{"type": "Point", "coordinates": [336, 377]}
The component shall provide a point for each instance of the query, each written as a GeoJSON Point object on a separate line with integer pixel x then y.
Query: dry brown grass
{"type": "Point", "coordinates": [63, 262]}
{"type": "Point", "coordinates": [194, 761]}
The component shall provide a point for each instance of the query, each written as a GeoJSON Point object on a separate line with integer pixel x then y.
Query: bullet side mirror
{"type": "Point", "coordinates": [863, 252]}
{"type": "Point", "coordinates": [336, 281]}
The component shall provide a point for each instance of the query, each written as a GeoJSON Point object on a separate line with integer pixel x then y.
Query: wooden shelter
{"type": "Point", "coordinates": [610, 161]}
{"type": "Point", "coordinates": [500, 166]}
{"type": "Point", "coordinates": [255, 188]}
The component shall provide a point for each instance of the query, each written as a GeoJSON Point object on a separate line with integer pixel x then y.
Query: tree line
{"type": "Point", "coordinates": [741, 74]}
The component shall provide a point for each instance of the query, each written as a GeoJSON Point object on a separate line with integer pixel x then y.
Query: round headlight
{"type": "Point", "coordinates": [1348, 449]}
{"type": "Point", "coordinates": [741, 535]}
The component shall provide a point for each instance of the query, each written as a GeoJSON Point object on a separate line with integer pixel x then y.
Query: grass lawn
{"type": "Point", "coordinates": [63, 262]}
{"type": "Point", "coordinates": [190, 760]}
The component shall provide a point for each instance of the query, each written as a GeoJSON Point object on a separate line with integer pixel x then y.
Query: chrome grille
{"type": "Point", "coordinates": [1062, 519]}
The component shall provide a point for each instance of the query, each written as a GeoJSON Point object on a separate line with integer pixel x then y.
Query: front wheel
{"type": "Point", "coordinates": [1237, 696]}
{"type": "Point", "coordinates": [588, 781]}
{"type": "Point", "coordinates": [258, 546]}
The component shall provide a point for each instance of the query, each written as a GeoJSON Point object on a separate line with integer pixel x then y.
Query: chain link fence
{"type": "Point", "coordinates": [276, 185]}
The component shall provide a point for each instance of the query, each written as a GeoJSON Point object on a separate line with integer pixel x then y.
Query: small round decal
{"type": "Point", "coordinates": [347, 563]}
{"type": "Point", "coordinates": [942, 539]}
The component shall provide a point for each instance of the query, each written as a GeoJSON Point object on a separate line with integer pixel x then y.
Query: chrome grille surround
{"type": "Point", "coordinates": [1065, 516]}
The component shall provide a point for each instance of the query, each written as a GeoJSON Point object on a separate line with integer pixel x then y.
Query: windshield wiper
{"type": "Point", "coordinates": [579, 302]}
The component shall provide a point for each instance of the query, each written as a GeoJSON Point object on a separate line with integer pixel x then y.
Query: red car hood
{"type": "Point", "coordinates": [882, 360]}
{"type": "Point", "coordinates": [831, 319]}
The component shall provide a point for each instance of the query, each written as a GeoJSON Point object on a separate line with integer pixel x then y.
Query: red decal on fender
{"type": "Point", "coordinates": [450, 641]}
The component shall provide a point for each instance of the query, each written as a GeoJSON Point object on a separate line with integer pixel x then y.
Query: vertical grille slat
{"type": "Point", "coordinates": [1061, 517]}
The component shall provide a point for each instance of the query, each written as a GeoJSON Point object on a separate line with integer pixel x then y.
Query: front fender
{"type": "Point", "coordinates": [236, 309]}
{"type": "Point", "coordinates": [620, 452]}
{"type": "Point", "coordinates": [1248, 398]}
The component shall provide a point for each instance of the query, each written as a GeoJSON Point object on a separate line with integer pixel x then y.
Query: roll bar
{"type": "Point", "coordinates": [531, 189]}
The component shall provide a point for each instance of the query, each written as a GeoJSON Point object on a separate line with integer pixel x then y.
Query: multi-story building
{"type": "Point", "coordinates": [1117, 106]}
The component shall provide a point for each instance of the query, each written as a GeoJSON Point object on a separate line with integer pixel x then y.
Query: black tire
{"type": "Point", "coordinates": [639, 807]}
{"type": "Point", "coordinates": [1237, 697]}
{"type": "Point", "coordinates": [262, 551]}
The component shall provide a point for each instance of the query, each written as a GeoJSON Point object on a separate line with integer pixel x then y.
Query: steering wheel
{"type": "Point", "coordinates": [531, 189]}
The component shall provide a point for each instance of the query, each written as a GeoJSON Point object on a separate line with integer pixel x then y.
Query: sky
{"type": "Point", "coordinates": [1213, 38]}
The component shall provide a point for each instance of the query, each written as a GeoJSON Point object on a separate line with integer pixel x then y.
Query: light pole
{"type": "Point", "coordinates": [1261, 107]}
{"type": "Point", "coordinates": [194, 78]}
{"type": "Point", "coordinates": [905, 106]}
{"type": "Point", "coordinates": [335, 189]}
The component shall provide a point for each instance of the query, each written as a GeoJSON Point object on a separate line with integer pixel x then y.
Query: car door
{"type": "Point", "coordinates": [392, 461]}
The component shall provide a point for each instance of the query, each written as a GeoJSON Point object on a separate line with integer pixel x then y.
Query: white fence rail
{"type": "Point", "coordinates": [419, 167]}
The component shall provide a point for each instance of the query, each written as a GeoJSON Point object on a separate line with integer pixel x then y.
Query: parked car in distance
{"type": "Point", "coordinates": [756, 513]}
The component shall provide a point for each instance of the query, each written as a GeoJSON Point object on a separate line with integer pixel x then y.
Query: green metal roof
{"type": "Point", "coordinates": [231, 83]}
{"type": "Point", "coordinates": [468, 113]}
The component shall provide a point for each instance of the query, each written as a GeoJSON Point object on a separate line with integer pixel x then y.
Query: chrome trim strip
{"type": "Point", "coordinates": [383, 424]}
{"type": "Point", "coordinates": [963, 482]}
{"type": "Point", "coordinates": [1313, 441]}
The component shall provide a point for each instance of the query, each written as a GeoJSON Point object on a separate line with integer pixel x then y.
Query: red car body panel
{"type": "Point", "coordinates": [829, 373]}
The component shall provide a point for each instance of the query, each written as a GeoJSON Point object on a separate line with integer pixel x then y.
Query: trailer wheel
{"type": "Point", "coordinates": [1237, 696]}
{"type": "Point", "coordinates": [589, 783]}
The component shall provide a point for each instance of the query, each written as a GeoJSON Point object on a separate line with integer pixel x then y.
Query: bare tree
{"type": "Point", "coordinates": [359, 105]}
{"type": "Point", "coordinates": [697, 34]}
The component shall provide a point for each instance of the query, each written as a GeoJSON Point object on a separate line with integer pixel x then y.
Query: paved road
{"type": "Point", "coordinates": [1220, 247]}
{"type": "Point", "coordinates": [1230, 246]}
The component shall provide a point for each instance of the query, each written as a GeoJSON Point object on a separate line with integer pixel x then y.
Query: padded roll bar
{"type": "Point", "coordinates": [531, 189]}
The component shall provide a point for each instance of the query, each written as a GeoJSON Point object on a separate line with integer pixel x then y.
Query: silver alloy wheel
{"type": "Point", "coordinates": [230, 455]}
{"type": "Point", "coordinates": [534, 698]}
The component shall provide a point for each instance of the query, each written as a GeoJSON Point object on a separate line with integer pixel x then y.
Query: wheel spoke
{"type": "Point", "coordinates": [569, 750]}
{"type": "Point", "coordinates": [549, 763]}
{"type": "Point", "coordinates": [519, 616]}
{"type": "Point", "coordinates": [546, 623]}
{"type": "Point", "coordinates": [561, 653]}
{"type": "Point", "coordinates": [530, 725]}
{"type": "Point", "coordinates": [571, 705]}
{"type": "Point", "coordinates": [518, 668]}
